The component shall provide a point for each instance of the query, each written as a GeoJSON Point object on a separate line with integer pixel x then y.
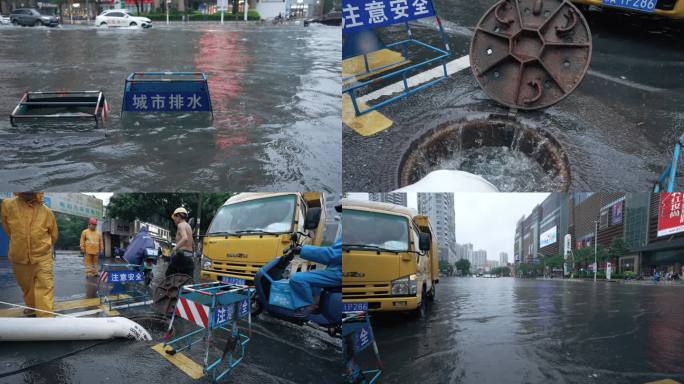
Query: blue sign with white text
{"type": "Point", "coordinates": [223, 315]}
{"type": "Point", "coordinates": [244, 308]}
{"type": "Point", "coordinates": [364, 14]}
{"type": "Point", "coordinates": [125, 276]}
{"type": "Point", "coordinates": [363, 337]}
{"type": "Point", "coordinates": [167, 102]}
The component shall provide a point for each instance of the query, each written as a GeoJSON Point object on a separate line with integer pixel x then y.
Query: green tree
{"type": "Point", "coordinates": [463, 265]}
{"type": "Point", "coordinates": [446, 268]}
{"type": "Point", "coordinates": [157, 207]}
{"type": "Point", "coordinates": [70, 228]}
{"type": "Point", "coordinates": [617, 248]}
{"type": "Point", "coordinates": [501, 271]}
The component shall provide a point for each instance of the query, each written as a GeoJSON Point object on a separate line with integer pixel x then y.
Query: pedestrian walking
{"type": "Point", "coordinates": [32, 230]}
{"type": "Point", "coordinates": [91, 247]}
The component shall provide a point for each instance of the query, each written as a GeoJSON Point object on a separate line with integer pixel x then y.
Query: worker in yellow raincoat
{"type": "Point", "coordinates": [32, 231]}
{"type": "Point", "coordinates": [91, 246]}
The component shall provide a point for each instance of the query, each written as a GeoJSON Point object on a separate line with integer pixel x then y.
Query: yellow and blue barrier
{"type": "Point", "coordinates": [360, 19]}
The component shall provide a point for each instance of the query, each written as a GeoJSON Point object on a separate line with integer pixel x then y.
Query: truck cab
{"type": "Point", "coordinates": [389, 257]}
{"type": "Point", "coordinates": [251, 229]}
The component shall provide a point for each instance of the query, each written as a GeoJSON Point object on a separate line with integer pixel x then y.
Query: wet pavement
{"type": "Point", "coordinates": [537, 331]}
{"type": "Point", "coordinates": [624, 115]}
{"type": "Point", "coordinates": [278, 352]}
{"type": "Point", "coordinates": [275, 92]}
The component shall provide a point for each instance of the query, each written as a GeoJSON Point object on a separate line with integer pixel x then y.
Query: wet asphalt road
{"type": "Point", "coordinates": [537, 331]}
{"type": "Point", "coordinates": [626, 114]}
{"type": "Point", "coordinates": [278, 352]}
{"type": "Point", "coordinates": [275, 92]}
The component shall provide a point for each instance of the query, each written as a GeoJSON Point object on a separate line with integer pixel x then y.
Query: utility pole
{"type": "Point", "coordinates": [596, 223]}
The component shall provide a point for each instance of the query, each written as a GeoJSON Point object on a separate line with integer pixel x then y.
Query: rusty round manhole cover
{"type": "Point", "coordinates": [530, 54]}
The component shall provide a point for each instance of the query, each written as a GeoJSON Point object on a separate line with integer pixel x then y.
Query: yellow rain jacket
{"type": "Point", "coordinates": [32, 230]}
{"type": "Point", "coordinates": [91, 242]}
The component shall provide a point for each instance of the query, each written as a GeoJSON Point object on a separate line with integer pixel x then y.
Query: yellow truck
{"type": "Point", "coordinates": [389, 257]}
{"type": "Point", "coordinates": [251, 229]}
{"type": "Point", "coordinates": [673, 9]}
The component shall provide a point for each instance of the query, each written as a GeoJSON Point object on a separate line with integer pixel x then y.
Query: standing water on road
{"type": "Point", "coordinates": [537, 331]}
{"type": "Point", "coordinates": [275, 95]}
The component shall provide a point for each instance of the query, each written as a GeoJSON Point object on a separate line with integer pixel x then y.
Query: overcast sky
{"type": "Point", "coordinates": [487, 220]}
{"type": "Point", "coordinates": [104, 196]}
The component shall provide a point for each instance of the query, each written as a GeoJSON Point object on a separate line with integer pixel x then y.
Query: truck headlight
{"type": "Point", "coordinates": [206, 262]}
{"type": "Point", "coordinates": [404, 285]}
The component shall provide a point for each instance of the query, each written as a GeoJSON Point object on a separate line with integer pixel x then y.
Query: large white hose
{"type": "Point", "coordinates": [64, 328]}
{"type": "Point", "coordinates": [450, 181]}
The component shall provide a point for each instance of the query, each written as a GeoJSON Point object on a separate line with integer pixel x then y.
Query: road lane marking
{"type": "Point", "coordinates": [452, 67]}
{"type": "Point", "coordinates": [462, 63]}
{"type": "Point", "coordinates": [181, 361]}
{"type": "Point", "coordinates": [625, 82]}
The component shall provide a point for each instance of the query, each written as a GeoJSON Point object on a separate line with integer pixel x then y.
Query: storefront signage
{"type": "Point", "coordinates": [670, 219]}
{"type": "Point", "coordinates": [549, 237]}
{"type": "Point", "coordinates": [616, 216]}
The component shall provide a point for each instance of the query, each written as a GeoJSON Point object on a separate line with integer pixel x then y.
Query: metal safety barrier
{"type": "Point", "coordinates": [361, 19]}
{"type": "Point", "coordinates": [211, 306]}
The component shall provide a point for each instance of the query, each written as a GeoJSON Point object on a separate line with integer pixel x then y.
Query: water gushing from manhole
{"type": "Point", "coordinates": [510, 155]}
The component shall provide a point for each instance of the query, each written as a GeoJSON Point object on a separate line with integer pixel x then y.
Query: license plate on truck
{"type": "Point", "coordinates": [639, 5]}
{"type": "Point", "coordinates": [354, 307]}
{"type": "Point", "coordinates": [232, 280]}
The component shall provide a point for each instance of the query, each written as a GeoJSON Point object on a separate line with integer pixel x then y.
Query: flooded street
{"type": "Point", "coordinates": [278, 352]}
{"type": "Point", "coordinates": [532, 331]}
{"type": "Point", "coordinates": [625, 114]}
{"type": "Point", "coordinates": [275, 93]}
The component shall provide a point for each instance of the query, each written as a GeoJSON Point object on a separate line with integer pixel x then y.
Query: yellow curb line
{"type": "Point", "coordinates": [181, 361]}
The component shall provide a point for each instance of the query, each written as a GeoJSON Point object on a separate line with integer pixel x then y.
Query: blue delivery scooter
{"type": "Point", "coordinates": [275, 296]}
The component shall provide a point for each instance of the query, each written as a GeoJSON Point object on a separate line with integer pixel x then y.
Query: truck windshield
{"type": "Point", "coordinates": [267, 215]}
{"type": "Point", "coordinates": [373, 229]}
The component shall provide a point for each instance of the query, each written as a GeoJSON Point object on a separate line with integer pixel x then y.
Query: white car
{"type": "Point", "coordinates": [121, 18]}
{"type": "Point", "coordinates": [4, 19]}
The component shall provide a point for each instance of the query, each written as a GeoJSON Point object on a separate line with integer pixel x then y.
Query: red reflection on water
{"type": "Point", "coordinates": [666, 337]}
{"type": "Point", "coordinates": [222, 55]}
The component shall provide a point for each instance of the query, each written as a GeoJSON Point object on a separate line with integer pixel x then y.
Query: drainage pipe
{"type": "Point", "coordinates": [64, 328]}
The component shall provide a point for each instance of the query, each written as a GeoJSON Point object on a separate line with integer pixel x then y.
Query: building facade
{"type": "Point", "coordinates": [641, 233]}
{"type": "Point", "coordinates": [439, 207]}
{"type": "Point", "coordinates": [392, 198]}
{"type": "Point", "coordinates": [503, 259]}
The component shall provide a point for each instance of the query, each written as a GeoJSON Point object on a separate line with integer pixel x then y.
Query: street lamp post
{"type": "Point", "coordinates": [596, 223]}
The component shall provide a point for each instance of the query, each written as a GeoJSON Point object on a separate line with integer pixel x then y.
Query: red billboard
{"type": "Point", "coordinates": [670, 218]}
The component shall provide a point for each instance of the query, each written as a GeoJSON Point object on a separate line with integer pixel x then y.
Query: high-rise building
{"type": "Point", "coordinates": [479, 259]}
{"type": "Point", "coordinates": [503, 259]}
{"type": "Point", "coordinates": [393, 198]}
{"type": "Point", "coordinates": [331, 200]}
{"type": "Point", "coordinates": [439, 207]}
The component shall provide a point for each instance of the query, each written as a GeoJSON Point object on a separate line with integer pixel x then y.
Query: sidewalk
{"type": "Point", "coordinates": [679, 283]}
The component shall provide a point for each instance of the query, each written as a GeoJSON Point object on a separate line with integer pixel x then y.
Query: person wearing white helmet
{"type": "Point", "coordinates": [182, 254]}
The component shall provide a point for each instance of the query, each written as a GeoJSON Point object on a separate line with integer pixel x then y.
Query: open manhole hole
{"type": "Point", "coordinates": [508, 154]}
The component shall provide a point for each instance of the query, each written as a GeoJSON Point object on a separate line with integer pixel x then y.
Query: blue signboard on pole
{"type": "Point", "coordinates": [363, 14]}
{"type": "Point", "coordinates": [125, 276]}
